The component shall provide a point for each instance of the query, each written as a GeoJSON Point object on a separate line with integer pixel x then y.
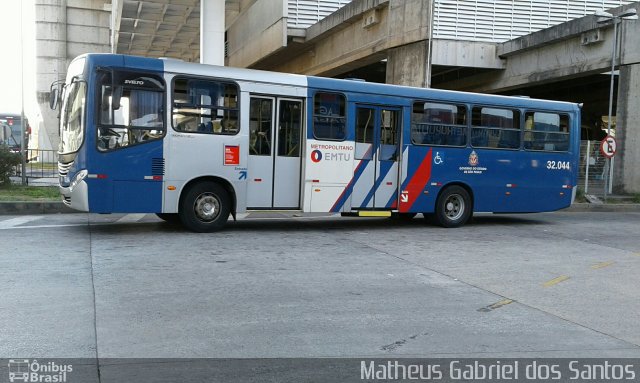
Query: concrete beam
{"type": "Point", "coordinates": [556, 60]}
{"type": "Point", "coordinates": [343, 40]}
{"type": "Point", "coordinates": [471, 54]}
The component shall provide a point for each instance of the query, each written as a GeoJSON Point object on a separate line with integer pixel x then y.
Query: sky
{"type": "Point", "coordinates": [17, 38]}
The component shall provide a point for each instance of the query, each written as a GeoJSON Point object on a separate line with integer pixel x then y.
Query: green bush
{"type": "Point", "coordinates": [8, 162]}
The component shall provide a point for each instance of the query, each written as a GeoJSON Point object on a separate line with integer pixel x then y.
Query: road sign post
{"type": "Point", "coordinates": [608, 148]}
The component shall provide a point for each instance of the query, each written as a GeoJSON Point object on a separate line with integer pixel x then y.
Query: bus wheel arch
{"type": "Point", "coordinates": [205, 204]}
{"type": "Point", "coordinates": [454, 205]}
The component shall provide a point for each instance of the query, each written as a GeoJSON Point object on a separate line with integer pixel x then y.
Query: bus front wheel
{"type": "Point", "coordinates": [453, 207]}
{"type": "Point", "coordinates": [205, 207]}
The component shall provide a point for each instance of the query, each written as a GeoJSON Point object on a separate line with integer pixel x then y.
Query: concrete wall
{"type": "Point", "coordinates": [64, 30]}
{"type": "Point", "coordinates": [627, 161]}
{"type": "Point", "coordinates": [258, 31]}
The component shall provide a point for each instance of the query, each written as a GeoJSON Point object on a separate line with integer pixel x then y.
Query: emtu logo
{"type": "Point", "coordinates": [316, 156]}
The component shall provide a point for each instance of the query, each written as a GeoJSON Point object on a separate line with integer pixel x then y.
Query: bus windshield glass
{"type": "Point", "coordinates": [72, 117]}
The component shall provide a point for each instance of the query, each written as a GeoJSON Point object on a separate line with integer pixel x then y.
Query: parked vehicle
{"type": "Point", "coordinates": [14, 122]}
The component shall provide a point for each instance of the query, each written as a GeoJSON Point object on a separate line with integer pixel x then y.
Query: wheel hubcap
{"type": "Point", "coordinates": [454, 207]}
{"type": "Point", "coordinates": [207, 207]}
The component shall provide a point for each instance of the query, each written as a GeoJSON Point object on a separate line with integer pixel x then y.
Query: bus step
{"type": "Point", "coordinates": [374, 213]}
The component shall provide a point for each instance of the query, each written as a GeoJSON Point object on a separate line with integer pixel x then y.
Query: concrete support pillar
{"type": "Point", "coordinates": [407, 65]}
{"type": "Point", "coordinates": [627, 161]}
{"type": "Point", "coordinates": [51, 64]}
{"type": "Point", "coordinates": [212, 32]}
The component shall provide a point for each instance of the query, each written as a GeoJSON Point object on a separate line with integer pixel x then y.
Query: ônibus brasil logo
{"type": "Point", "coordinates": [316, 156]}
{"type": "Point", "coordinates": [25, 370]}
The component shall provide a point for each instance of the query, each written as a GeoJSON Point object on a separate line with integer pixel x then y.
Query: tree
{"type": "Point", "coordinates": [8, 162]}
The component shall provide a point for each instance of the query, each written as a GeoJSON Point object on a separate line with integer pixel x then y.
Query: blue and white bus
{"type": "Point", "coordinates": [196, 143]}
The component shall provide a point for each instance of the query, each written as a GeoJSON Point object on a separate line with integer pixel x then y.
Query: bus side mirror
{"type": "Point", "coordinates": [53, 98]}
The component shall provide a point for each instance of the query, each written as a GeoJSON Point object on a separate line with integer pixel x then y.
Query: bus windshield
{"type": "Point", "coordinates": [73, 117]}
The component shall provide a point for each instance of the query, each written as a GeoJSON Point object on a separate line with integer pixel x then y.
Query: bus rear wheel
{"type": "Point", "coordinates": [453, 207]}
{"type": "Point", "coordinates": [205, 207]}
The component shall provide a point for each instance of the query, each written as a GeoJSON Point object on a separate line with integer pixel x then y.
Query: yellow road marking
{"type": "Point", "coordinates": [503, 302]}
{"type": "Point", "coordinates": [555, 281]}
{"type": "Point", "coordinates": [602, 265]}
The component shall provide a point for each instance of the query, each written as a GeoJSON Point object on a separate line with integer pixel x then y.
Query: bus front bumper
{"type": "Point", "coordinates": [76, 196]}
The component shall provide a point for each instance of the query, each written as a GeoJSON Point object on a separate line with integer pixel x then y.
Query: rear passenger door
{"type": "Point", "coordinates": [377, 147]}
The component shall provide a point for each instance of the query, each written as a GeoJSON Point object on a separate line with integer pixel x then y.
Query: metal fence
{"type": "Point", "coordinates": [41, 164]}
{"type": "Point", "coordinates": [593, 167]}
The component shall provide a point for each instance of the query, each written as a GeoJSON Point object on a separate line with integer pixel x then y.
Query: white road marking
{"type": "Point", "coordinates": [13, 222]}
{"type": "Point", "coordinates": [131, 218]}
{"type": "Point", "coordinates": [44, 226]}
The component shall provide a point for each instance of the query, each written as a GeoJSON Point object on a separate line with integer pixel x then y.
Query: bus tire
{"type": "Point", "coordinates": [205, 207]}
{"type": "Point", "coordinates": [453, 207]}
{"type": "Point", "coordinates": [169, 217]}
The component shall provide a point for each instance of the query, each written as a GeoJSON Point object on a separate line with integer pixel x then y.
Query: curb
{"type": "Point", "coordinates": [18, 208]}
{"type": "Point", "coordinates": [602, 208]}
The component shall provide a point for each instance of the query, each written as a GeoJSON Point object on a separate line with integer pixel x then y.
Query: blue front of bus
{"type": "Point", "coordinates": [112, 130]}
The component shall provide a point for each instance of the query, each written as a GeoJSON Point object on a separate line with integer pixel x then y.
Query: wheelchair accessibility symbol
{"type": "Point", "coordinates": [438, 159]}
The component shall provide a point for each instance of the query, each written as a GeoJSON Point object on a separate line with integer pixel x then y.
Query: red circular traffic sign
{"type": "Point", "coordinates": [608, 147]}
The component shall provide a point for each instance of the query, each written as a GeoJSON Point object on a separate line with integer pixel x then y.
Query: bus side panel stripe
{"type": "Point", "coordinates": [385, 167]}
{"type": "Point", "coordinates": [417, 182]}
{"type": "Point", "coordinates": [349, 188]}
{"type": "Point", "coordinates": [393, 201]}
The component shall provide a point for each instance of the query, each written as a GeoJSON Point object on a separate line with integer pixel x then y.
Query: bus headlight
{"type": "Point", "coordinates": [82, 174]}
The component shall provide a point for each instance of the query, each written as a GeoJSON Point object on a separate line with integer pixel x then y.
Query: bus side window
{"type": "Point", "coordinates": [329, 116]}
{"type": "Point", "coordinates": [495, 128]}
{"type": "Point", "coordinates": [546, 131]}
{"type": "Point", "coordinates": [439, 124]}
{"type": "Point", "coordinates": [205, 106]}
{"type": "Point", "coordinates": [130, 112]}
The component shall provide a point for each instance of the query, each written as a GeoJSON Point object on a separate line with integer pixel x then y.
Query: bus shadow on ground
{"type": "Point", "coordinates": [329, 224]}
